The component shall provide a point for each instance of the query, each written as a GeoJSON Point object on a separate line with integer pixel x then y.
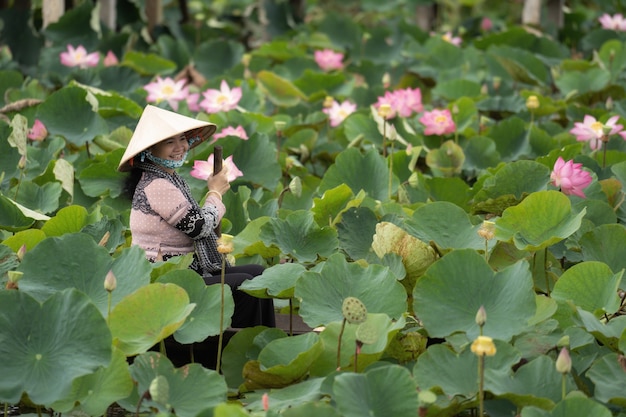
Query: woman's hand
{"type": "Point", "coordinates": [218, 182]}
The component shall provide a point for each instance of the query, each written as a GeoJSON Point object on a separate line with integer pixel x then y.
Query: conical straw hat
{"type": "Point", "coordinates": [157, 124]}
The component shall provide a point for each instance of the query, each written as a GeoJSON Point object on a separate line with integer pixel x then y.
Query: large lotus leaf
{"type": "Point", "coordinates": [277, 281]}
{"type": "Point", "coordinates": [300, 237]}
{"type": "Point", "coordinates": [11, 217]}
{"type": "Point", "coordinates": [368, 172]}
{"type": "Point", "coordinates": [540, 220]}
{"type": "Point", "coordinates": [290, 356]}
{"type": "Point", "coordinates": [204, 320]}
{"type": "Point", "coordinates": [70, 219]}
{"type": "Point", "coordinates": [327, 208]}
{"type": "Point", "coordinates": [516, 178]}
{"type": "Point", "coordinates": [248, 242]}
{"type": "Point", "coordinates": [257, 161]}
{"type": "Point", "coordinates": [447, 160]}
{"type": "Point", "coordinates": [446, 224]}
{"type": "Point", "coordinates": [581, 82]}
{"type": "Point", "coordinates": [147, 316]}
{"type": "Point", "coordinates": [570, 407]}
{"type": "Point", "coordinates": [44, 199]}
{"type": "Point", "coordinates": [79, 262]}
{"type": "Point", "coordinates": [609, 379]}
{"type": "Point", "coordinates": [45, 346]}
{"type": "Point", "coordinates": [29, 238]}
{"type": "Point", "coordinates": [322, 293]}
{"type": "Point", "coordinates": [591, 286]}
{"type": "Point", "coordinates": [101, 177]}
{"type": "Point", "coordinates": [380, 392]}
{"type": "Point", "coordinates": [148, 63]}
{"type": "Point", "coordinates": [356, 232]}
{"type": "Point", "coordinates": [506, 295]}
{"type": "Point", "coordinates": [93, 394]}
{"type": "Point", "coordinates": [8, 259]}
{"type": "Point", "coordinates": [604, 244]}
{"type": "Point", "coordinates": [240, 349]}
{"type": "Point", "coordinates": [481, 153]}
{"type": "Point", "coordinates": [455, 374]}
{"type": "Point", "coordinates": [416, 255]}
{"type": "Point", "coordinates": [536, 383]}
{"type": "Point", "coordinates": [215, 57]}
{"type": "Point", "coordinates": [279, 90]}
{"type": "Point", "coordinates": [384, 329]}
{"type": "Point", "coordinates": [522, 65]}
{"type": "Point", "coordinates": [192, 388]}
{"type": "Point", "coordinates": [451, 189]}
{"type": "Point", "coordinates": [608, 333]}
{"type": "Point", "coordinates": [292, 396]}
{"type": "Point", "coordinates": [63, 108]}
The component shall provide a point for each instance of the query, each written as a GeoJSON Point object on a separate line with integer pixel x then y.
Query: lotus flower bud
{"type": "Point", "coordinates": [564, 362]}
{"type": "Point", "coordinates": [225, 244]}
{"type": "Point", "coordinates": [279, 125]}
{"type": "Point", "coordinates": [532, 102]}
{"type": "Point", "coordinates": [14, 277]}
{"type": "Point", "coordinates": [384, 110]}
{"type": "Point", "coordinates": [295, 186]}
{"type": "Point", "coordinates": [22, 163]}
{"type": "Point", "coordinates": [328, 102]}
{"type": "Point", "coordinates": [110, 282]}
{"type": "Point", "coordinates": [487, 230]}
{"type": "Point", "coordinates": [386, 80]}
{"type": "Point", "coordinates": [21, 252]}
{"type": "Point", "coordinates": [481, 316]}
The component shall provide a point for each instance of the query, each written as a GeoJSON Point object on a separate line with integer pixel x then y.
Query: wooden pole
{"type": "Point", "coordinates": [217, 167]}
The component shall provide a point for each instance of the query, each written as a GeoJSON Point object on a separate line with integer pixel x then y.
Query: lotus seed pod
{"type": "Point", "coordinates": [367, 332]}
{"type": "Point", "coordinates": [160, 390]}
{"type": "Point", "coordinates": [354, 310]}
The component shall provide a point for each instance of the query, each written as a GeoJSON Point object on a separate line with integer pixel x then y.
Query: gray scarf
{"type": "Point", "coordinates": [209, 259]}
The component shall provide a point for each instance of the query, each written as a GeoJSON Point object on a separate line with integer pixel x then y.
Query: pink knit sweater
{"type": "Point", "coordinates": [153, 226]}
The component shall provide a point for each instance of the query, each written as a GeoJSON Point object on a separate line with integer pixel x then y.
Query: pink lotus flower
{"type": "Point", "coordinates": [224, 99]}
{"type": "Point", "coordinates": [438, 122]}
{"type": "Point", "coordinates": [110, 59]}
{"type": "Point", "coordinates": [338, 112]}
{"type": "Point", "coordinates": [166, 89]}
{"type": "Point", "coordinates": [78, 57]}
{"type": "Point", "coordinates": [615, 22]}
{"type": "Point", "coordinates": [570, 177]}
{"type": "Point", "coordinates": [454, 40]}
{"type": "Point", "coordinates": [328, 60]}
{"type": "Point", "coordinates": [232, 131]}
{"type": "Point", "coordinates": [38, 132]}
{"type": "Point", "coordinates": [202, 170]}
{"type": "Point", "coordinates": [486, 24]}
{"type": "Point", "coordinates": [593, 131]}
{"type": "Point", "coordinates": [403, 102]}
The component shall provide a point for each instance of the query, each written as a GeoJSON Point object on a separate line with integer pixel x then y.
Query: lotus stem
{"type": "Point", "coordinates": [109, 307]}
{"type": "Point", "coordinates": [356, 356]}
{"type": "Point", "coordinates": [390, 171]}
{"type": "Point", "coordinates": [343, 326]}
{"type": "Point", "coordinates": [291, 317]}
{"type": "Point", "coordinates": [563, 385]}
{"type": "Point", "coordinates": [481, 384]}
{"type": "Point", "coordinates": [220, 339]}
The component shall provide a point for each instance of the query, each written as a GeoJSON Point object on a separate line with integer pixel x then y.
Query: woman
{"type": "Point", "coordinates": [167, 221]}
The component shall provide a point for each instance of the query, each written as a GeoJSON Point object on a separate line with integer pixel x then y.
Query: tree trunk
{"type": "Point", "coordinates": [531, 14]}
{"type": "Point", "coordinates": [154, 13]}
{"type": "Point", "coordinates": [425, 17]}
{"type": "Point", "coordinates": [108, 13]}
{"type": "Point", "coordinates": [52, 11]}
{"type": "Point", "coordinates": [555, 12]}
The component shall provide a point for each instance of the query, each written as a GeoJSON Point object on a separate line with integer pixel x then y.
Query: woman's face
{"type": "Point", "coordinates": [174, 148]}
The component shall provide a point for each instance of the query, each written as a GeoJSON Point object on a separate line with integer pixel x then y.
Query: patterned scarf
{"type": "Point", "coordinates": [209, 258]}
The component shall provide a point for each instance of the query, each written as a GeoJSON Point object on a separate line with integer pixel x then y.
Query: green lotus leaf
{"type": "Point", "coordinates": [29, 237]}
{"type": "Point", "coordinates": [192, 388]}
{"type": "Point", "coordinates": [522, 65]}
{"type": "Point", "coordinates": [506, 295]}
{"type": "Point", "coordinates": [93, 394]}
{"type": "Point", "coordinates": [570, 407]}
{"type": "Point", "coordinates": [19, 130]}
{"type": "Point", "coordinates": [148, 63]}
{"type": "Point", "coordinates": [101, 177]}
{"type": "Point", "coordinates": [288, 398]}
{"type": "Point", "coordinates": [609, 379]}
{"type": "Point", "coordinates": [64, 338]}
{"type": "Point", "coordinates": [70, 219]}
{"type": "Point", "coordinates": [147, 316]}
{"type": "Point", "coordinates": [327, 208]}
{"type": "Point", "coordinates": [239, 350]}
{"type": "Point", "coordinates": [609, 333]}
{"type": "Point", "coordinates": [290, 356]}
{"type": "Point", "coordinates": [516, 178]}
{"type": "Point", "coordinates": [540, 220]}
{"type": "Point", "coordinates": [355, 232]}
{"type": "Point", "coordinates": [536, 383]}
{"type": "Point", "coordinates": [447, 160]}
{"type": "Point", "coordinates": [247, 242]}
{"type": "Point", "coordinates": [214, 57]}
{"type": "Point", "coordinates": [603, 244]}
{"type": "Point", "coordinates": [44, 199]}
{"type": "Point", "coordinates": [8, 259]}
{"type": "Point", "coordinates": [277, 281]}
{"type": "Point", "coordinates": [455, 89]}
{"type": "Point", "coordinates": [379, 392]}
{"type": "Point", "coordinates": [11, 217]}
{"type": "Point", "coordinates": [450, 189]}
{"type": "Point", "coordinates": [79, 262]}
{"type": "Point", "coordinates": [446, 224]}
{"type": "Point", "coordinates": [322, 293]}
{"type": "Point", "coordinates": [258, 148]}
{"type": "Point", "coordinates": [204, 320]}
{"type": "Point", "coordinates": [481, 153]}
{"type": "Point", "coordinates": [416, 255]}
{"type": "Point", "coordinates": [581, 82]}
{"type": "Point", "coordinates": [61, 110]}
{"type": "Point", "coordinates": [455, 373]}
{"type": "Point", "coordinates": [591, 286]}
{"type": "Point", "coordinates": [299, 236]}
{"type": "Point", "coordinates": [368, 172]}
{"type": "Point", "coordinates": [279, 90]}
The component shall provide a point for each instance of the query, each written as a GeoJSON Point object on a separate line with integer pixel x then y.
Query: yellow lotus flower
{"type": "Point", "coordinates": [484, 346]}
